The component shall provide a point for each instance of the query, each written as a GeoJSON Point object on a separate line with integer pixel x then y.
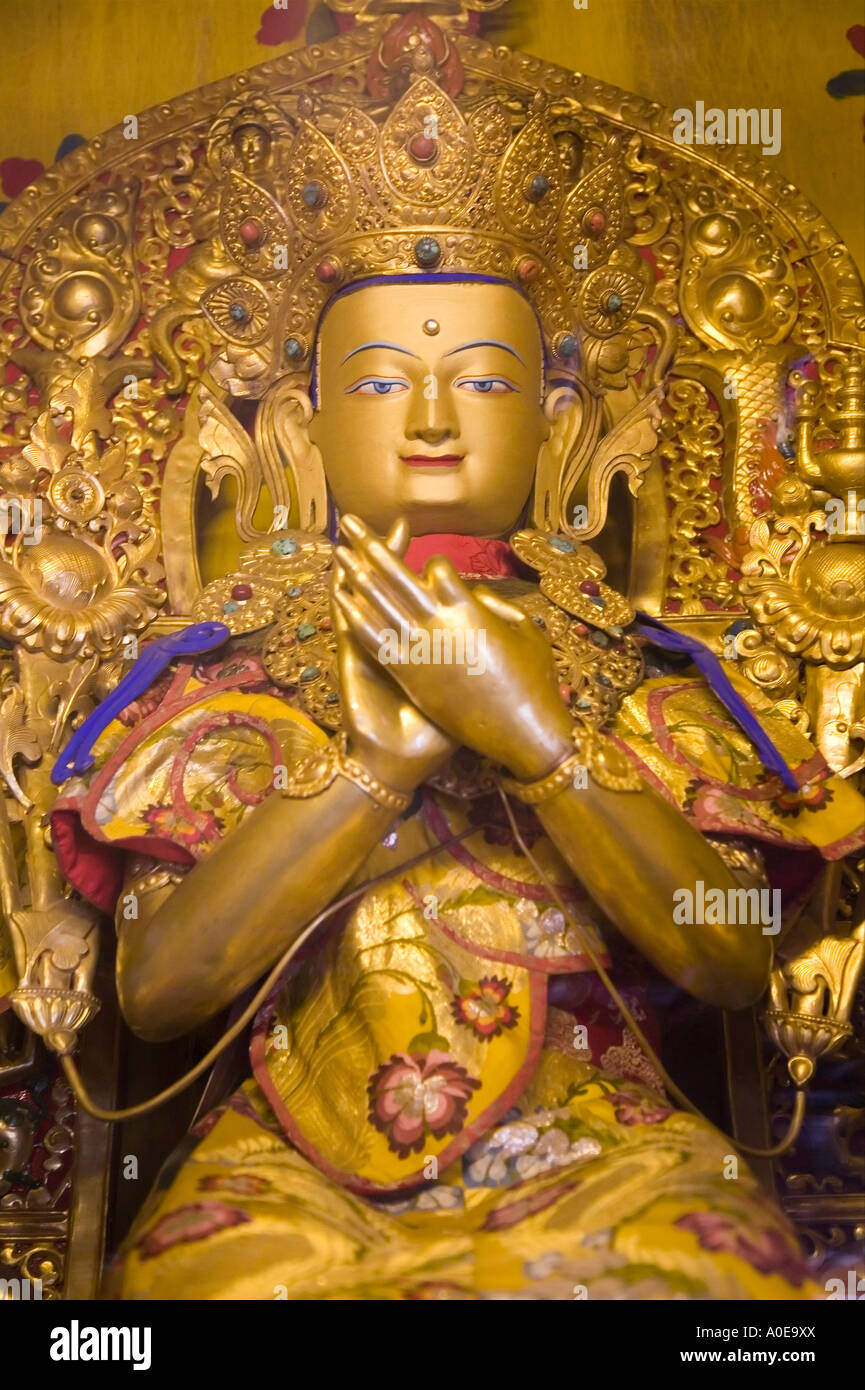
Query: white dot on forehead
{"type": "Point", "coordinates": [431, 327]}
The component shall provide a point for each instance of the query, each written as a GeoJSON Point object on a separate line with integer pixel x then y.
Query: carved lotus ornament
{"type": "Point", "coordinates": [66, 596]}
{"type": "Point", "coordinates": [810, 600]}
{"type": "Point", "coordinates": [57, 1015]}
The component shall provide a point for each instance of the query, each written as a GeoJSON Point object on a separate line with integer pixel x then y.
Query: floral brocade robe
{"type": "Point", "coordinates": [446, 1103]}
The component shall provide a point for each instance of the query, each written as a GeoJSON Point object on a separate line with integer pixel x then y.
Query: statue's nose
{"type": "Point", "coordinates": [431, 414]}
{"type": "Point", "coordinates": [432, 434]}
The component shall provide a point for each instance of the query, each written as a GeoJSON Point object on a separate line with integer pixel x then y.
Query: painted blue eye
{"type": "Point", "coordinates": [377, 386]}
{"type": "Point", "coordinates": [484, 385]}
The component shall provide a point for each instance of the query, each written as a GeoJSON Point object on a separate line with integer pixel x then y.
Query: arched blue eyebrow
{"type": "Point", "coordinates": [394, 346]}
{"type": "Point", "coordinates": [486, 342]}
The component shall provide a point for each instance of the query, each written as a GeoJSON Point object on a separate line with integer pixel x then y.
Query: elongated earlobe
{"type": "Point", "coordinates": [564, 409]}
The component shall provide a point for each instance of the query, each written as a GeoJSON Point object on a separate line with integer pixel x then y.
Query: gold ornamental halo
{"type": "Point", "coordinates": [342, 61]}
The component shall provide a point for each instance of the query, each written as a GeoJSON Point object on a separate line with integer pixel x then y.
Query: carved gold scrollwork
{"type": "Point", "coordinates": [80, 292]}
{"type": "Point", "coordinates": [40, 1261]}
{"type": "Point", "coordinates": [737, 288]}
{"type": "Point", "coordinates": [772, 671]}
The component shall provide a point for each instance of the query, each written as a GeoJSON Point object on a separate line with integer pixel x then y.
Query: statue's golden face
{"type": "Point", "coordinates": [430, 405]}
{"type": "Point", "coordinates": [252, 145]}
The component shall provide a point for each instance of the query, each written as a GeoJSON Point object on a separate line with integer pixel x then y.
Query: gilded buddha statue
{"type": "Point", "coordinates": [407, 746]}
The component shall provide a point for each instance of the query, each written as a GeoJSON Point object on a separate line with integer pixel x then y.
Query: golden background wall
{"type": "Point", "coordinates": [71, 68]}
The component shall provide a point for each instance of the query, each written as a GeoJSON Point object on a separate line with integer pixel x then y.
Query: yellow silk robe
{"type": "Point", "coordinates": [420, 1123]}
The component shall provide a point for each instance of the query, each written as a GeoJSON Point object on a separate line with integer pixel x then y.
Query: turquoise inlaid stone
{"type": "Point", "coordinates": [559, 543]}
{"type": "Point", "coordinates": [597, 601]}
{"type": "Point", "coordinates": [285, 546]}
{"type": "Point", "coordinates": [295, 591]}
{"type": "Point", "coordinates": [230, 607]}
{"type": "Point", "coordinates": [309, 673]}
{"type": "Point", "coordinates": [306, 630]}
{"type": "Point", "coordinates": [332, 698]}
{"type": "Point", "coordinates": [600, 639]}
{"type": "Point", "coordinates": [312, 194]}
{"type": "Point", "coordinates": [584, 704]}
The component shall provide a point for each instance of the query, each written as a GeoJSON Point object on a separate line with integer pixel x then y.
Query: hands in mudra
{"type": "Point", "coordinates": [507, 708]}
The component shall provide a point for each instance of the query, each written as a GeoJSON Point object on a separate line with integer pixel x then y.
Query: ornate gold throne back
{"type": "Point", "coordinates": [719, 471]}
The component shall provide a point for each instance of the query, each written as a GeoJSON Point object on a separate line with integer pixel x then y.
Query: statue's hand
{"type": "Point", "coordinates": [473, 663]}
{"type": "Point", "coordinates": [386, 732]}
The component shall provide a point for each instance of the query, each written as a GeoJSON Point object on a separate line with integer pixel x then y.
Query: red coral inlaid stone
{"type": "Point", "coordinates": [422, 149]}
{"type": "Point", "coordinates": [251, 232]}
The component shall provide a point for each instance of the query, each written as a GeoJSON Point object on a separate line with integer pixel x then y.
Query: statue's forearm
{"type": "Point", "coordinates": [632, 851]}
{"type": "Point", "coordinates": [233, 915]}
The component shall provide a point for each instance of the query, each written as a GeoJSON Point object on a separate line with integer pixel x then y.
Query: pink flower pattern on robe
{"type": "Point", "coordinates": [765, 1250]}
{"type": "Point", "coordinates": [195, 1221]}
{"type": "Point", "coordinates": [634, 1109]}
{"type": "Point", "coordinates": [415, 1094]}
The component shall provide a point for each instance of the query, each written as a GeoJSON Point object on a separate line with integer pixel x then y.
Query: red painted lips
{"type": "Point", "coordinates": [432, 460]}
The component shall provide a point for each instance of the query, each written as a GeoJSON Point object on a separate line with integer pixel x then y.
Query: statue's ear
{"type": "Point", "coordinates": [284, 445]}
{"type": "Point", "coordinates": [565, 409]}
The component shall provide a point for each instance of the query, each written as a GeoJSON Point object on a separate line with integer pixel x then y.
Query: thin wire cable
{"type": "Point", "coordinates": [799, 1104]}
{"type": "Point", "coordinates": [74, 1077]}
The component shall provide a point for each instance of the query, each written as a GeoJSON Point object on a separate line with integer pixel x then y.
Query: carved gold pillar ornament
{"type": "Point", "coordinates": [810, 1001]}
{"type": "Point", "coordinates": [838, 472]}
{"type": "Point", "coordinates": [78, 578]}
{"type": "Point", "coordinates": [58, 947]}
{"type": "Point", "coordinates": [804, 574]}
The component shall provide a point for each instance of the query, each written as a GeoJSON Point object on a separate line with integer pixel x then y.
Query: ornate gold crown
{"type": "Point", "coordinates": [413, 176]}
